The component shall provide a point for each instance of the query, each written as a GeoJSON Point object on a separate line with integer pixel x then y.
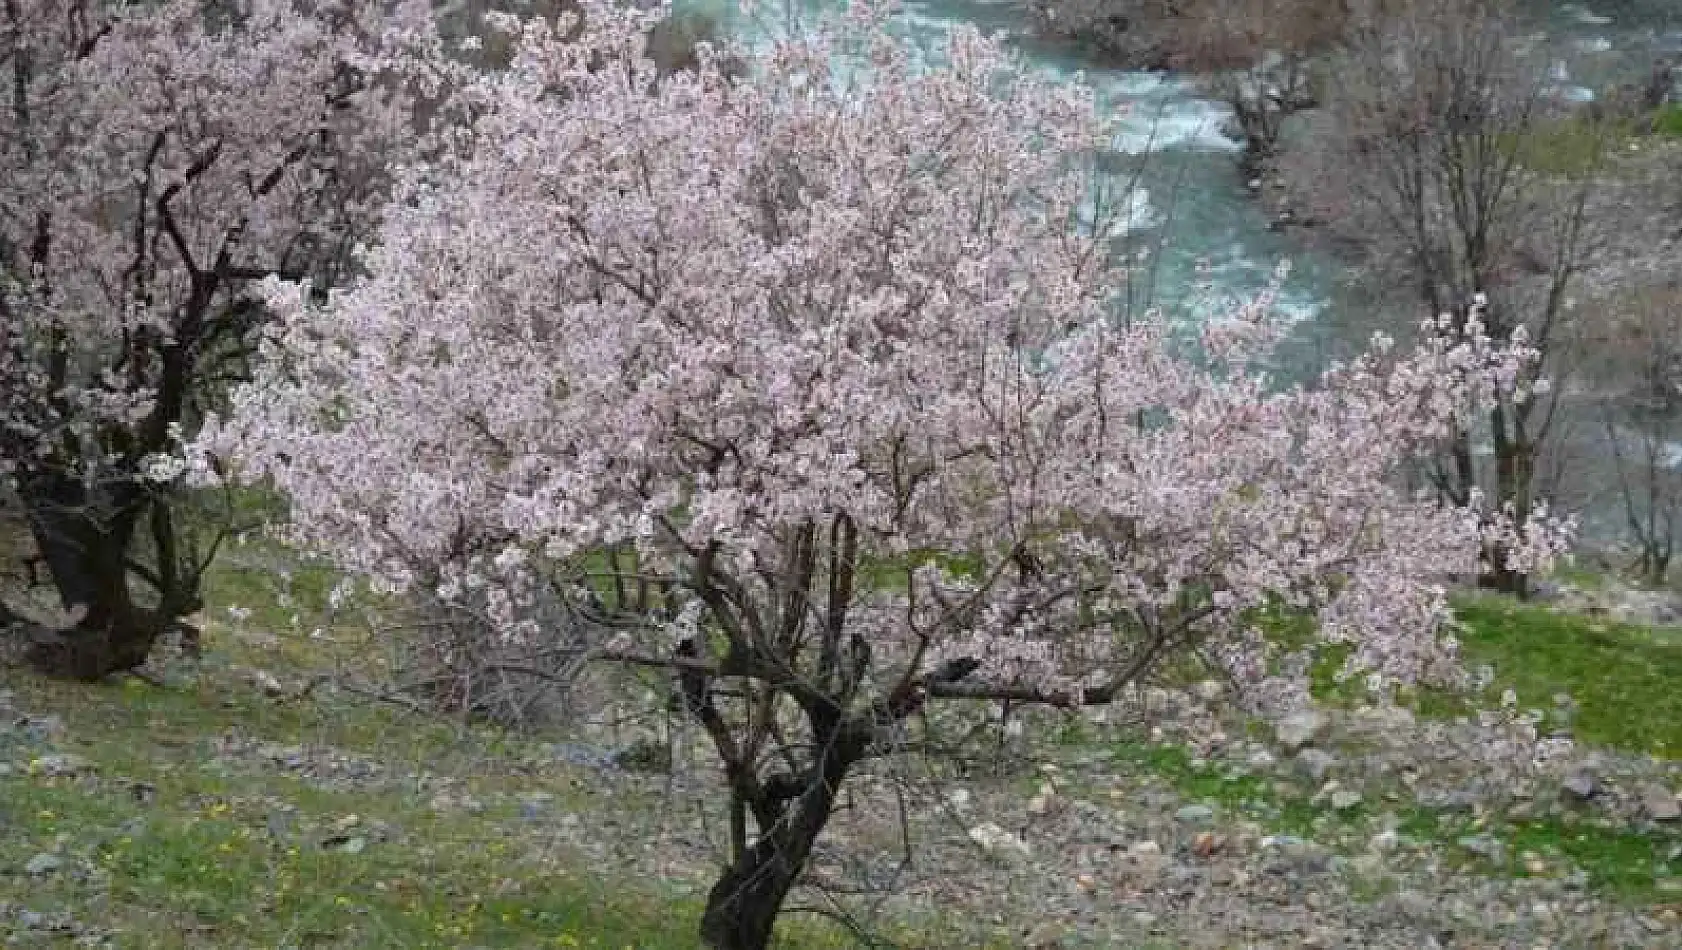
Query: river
{"type": "Point", "coordinates": [1191, 211]}
{"type": "Point", "coordinates": [1209, 240]}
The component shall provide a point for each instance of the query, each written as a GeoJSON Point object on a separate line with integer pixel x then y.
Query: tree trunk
{"type": "Point", "coordinates": [743, 906]}
{"type": "Point", "coordinates": [88, 558]}
{"type": "Point", "coordinates": [1514, 467]}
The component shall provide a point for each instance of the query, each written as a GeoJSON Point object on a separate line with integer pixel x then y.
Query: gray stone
{"type": "Point", "coordinates": [1345, 798]}
{"type": "Point", "coordinates": [1195, 814]}
{"type": "Point", "coordinates": [61, 765]}
{"type": "Point", "coordinates": [1580, 784]}
{"type": "Point", "coordinates": [43, 864]}
{"type": "Point", "coordinates": [1484, 846]}
{"type": "Point", "coordinates": [1299, 729]}
{"type": "Point", "coordinates": [44, 729]}
{"type": "Point", "coordinates": [1660, 803]}
{"type": "Point", "coordinates": [1000, 844]}
{"type": "Point", "coordinates": [1410, 907]}
{"type": "Point", "coordinates": [1315, 763]}
{"type": "Point", "coordinates": [535, 805]}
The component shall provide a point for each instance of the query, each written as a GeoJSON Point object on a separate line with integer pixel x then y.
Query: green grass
{"type": "Point", "coordinates": [1667, 120]}
{"type": "Point", "coordinates": [1571, 147]}
{"type": "Point", "coordinates": [196, 862]}
{"type": "Point", "coordinates": [1626, 680]}
{"type": "Point", "coordinates": [1623, 678]}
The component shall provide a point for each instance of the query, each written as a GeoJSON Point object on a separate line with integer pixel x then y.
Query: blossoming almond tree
{"type": "Point", "coordinates": [155, 159]}
{"type": "Point", "coordinates": [832, 355]}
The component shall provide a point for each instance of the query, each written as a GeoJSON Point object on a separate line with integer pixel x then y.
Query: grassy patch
{"type": "Point", "coordinates": [188, 833]}
{"type": "Point", "coordinates": [1571, 147]}
{"type": "Point", "coordinates": [1624, 678]}
{"type": "Point", "coordinates": [1667, 120]}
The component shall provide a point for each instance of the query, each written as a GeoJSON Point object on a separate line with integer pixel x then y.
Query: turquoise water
{"type": "Point", "coordinates": [1187, 211]}
{"type": "Point", "coordinates": [1195, 217]}
{"type": "Point", "coordinates": [1191, 211]}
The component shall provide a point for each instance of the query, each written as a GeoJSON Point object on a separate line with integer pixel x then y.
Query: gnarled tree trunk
{"type": "Point", "coordinates": [743, 905]}
{"type": "Point", "coordinates": [87, 553]}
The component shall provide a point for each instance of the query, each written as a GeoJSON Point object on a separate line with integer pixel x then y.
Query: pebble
{"type": "Point", "coordinates": [1299, 729]}
{"type": "Point", "coordinates": [43, 864]}
{"type": "Point", "coordinates": [61, 765]}
{"type": "Point", "coordinates": [1195, 814]}
{"type": "Point", "coordinates": [1315, 763]}
{"type": "Point", "coordinates": [999, 843]}
{"type": "Point", "coordinates": [1580, 784]}
{"type": "Point", "coordinates": [1660, 803]}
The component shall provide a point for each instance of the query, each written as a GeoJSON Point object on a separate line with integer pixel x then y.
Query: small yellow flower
{"type": "Point", "coordinates": [45, 815]}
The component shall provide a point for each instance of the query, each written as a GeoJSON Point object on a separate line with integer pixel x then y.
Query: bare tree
{"type": "Point", "coordinates": [1452, 170]}
{"type": "Point", "coordinates": [1636, 371]}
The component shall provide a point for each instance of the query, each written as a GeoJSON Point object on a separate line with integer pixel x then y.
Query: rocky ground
{"type": "Point", "coordinates": [1167, 821]}
{"type": "Point", "coordinates": [1169, 825]}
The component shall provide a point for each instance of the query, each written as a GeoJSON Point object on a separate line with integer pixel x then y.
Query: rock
{"type": "Point", "coordinates": [1345, 798]}
{"type": "Point", "coordinates": [1367, 865]}
{"type": "Point", "coordinates": [1410, 907]}
{"type": "Point", "coordinates": [1195, 814]}
{"type": "Point", "coordinates": [266, 681]}
{"type": "Point", "coordinates": [1042, 802]}
{"type": "Point", "coordinates": [1660, 803]}
{"type": "Point", "coordinates": [1208, 690]}
{"type": "Point", "coordinates": [1046, 936]}
{"type": "Point", "coordinates": [1299, 729]}
{"type": "Point", "coordinates": [1147, 857]}
{"type": "Point", "coordinates": [1383, 842]}
{"type": "Point", "coordinates": [999, 843]}
{"type": "Point", "coordinates": [43, 864]}
{"type": "Point", "coordinates": [534, 805]}
{"type": "Point", "coordinates": [1315, 763]}
{"type": "Point", "coordinates": [61, 765]}
{"type": "Point", "coordinates": [958, 799]}
{"type": "Point", "coordinates": [43, 729]}
{"type": "Point", "coordinates": [1484, 846]}
{"type": "Point", "coordinates": [1206, 844]}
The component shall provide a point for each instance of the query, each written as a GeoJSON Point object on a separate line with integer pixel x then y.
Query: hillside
{"type": "Point", "coordinates": [260, 797]}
